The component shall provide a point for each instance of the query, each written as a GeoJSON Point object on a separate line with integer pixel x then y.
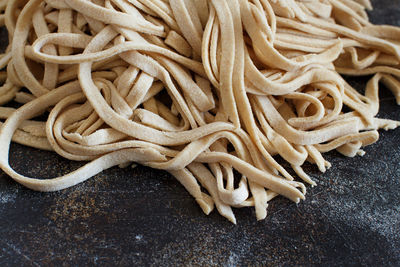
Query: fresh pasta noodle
{"type": "Point", "coordinates": [211, 91]}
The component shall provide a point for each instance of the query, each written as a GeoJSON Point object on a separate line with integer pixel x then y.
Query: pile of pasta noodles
{"type": "Point", "coordinates": [212, 91]}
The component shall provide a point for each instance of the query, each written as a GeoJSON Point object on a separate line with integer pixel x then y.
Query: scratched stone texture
{"type": "Point", "coordinates": [144, 217]}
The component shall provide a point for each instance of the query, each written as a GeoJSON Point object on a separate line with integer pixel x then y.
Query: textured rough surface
{"type": "Point", "coordinates": [145, 217]}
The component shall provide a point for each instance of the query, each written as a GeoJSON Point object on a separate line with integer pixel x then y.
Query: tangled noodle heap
{"type": "Point", "coordinates": [198, 88]}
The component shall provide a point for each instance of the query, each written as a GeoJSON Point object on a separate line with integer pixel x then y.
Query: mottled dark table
{"type": "Point", "coordinates": [145, 217]}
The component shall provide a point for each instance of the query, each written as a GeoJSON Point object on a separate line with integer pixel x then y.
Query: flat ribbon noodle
{"type": "Point", "coordinates": [211, 91]}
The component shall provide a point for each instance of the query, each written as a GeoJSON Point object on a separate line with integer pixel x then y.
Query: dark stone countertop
{"type": "Point", "coordinates": [145, 217]}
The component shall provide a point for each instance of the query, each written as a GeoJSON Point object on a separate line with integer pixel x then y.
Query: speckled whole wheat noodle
{"type": "Point", "coordinates": [198, 88]}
